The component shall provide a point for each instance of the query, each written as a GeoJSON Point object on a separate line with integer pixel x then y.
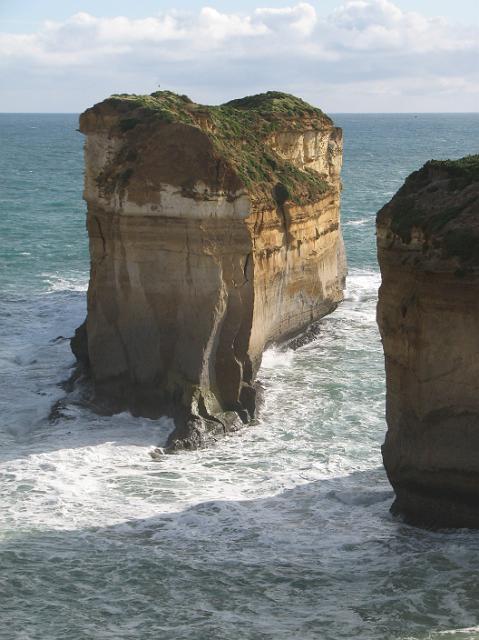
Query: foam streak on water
{"type": "Point", "coordinates": [279, 532]}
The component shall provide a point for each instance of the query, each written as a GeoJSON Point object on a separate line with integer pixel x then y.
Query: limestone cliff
{"type": "Point", "coordinates": [214, 231]}
{"type": "Point", "coordinates": [428, 315]}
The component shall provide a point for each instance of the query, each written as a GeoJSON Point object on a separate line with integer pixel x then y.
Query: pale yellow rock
{"type": "Point", "coordinates": [195, 269]}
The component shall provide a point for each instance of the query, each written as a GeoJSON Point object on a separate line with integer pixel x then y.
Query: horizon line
{"type": "Point", "coordinates": [352, 113]}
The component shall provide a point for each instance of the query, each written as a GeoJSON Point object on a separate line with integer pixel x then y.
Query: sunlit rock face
{"type": "Point", "coordinates": [428, 315]}
{"type": "Point", "coordinates": [214, 231]}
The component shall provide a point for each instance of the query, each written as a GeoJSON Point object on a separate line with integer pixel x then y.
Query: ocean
{"type": "Point", "coordinates": [279, 532]}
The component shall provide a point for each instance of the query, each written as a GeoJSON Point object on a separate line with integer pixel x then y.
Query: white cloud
{"type": "Point", "coordinates": [221, 26]}
{"type": "Point", "coordinates": [361, 14]}
{"type": "Point", "coordinates": [362, 43]}
{"type": "Point", "coordinates": [300, 19]}
{"type": "Point", "coordinates": [380, 25]}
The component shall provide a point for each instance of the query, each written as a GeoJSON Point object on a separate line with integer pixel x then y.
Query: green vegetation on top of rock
{"type": "Point", "coordinates": [466, 168]}
{"type": "Point", "coordinates": [277, 104]}
{"type": "Point", "coordinates": [442, 200]}
{"type": "Point", "coordinates": [239, 130]}
{"type": "Point", "coordinates": [164, 105]}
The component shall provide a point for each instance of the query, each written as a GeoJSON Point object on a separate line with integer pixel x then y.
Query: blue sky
{"type": "Point", "coordinates": [344, 55]}
{"type": "Point", "coordinates": [20, 15]}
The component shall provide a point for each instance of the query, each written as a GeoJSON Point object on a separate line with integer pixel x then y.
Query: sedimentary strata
{"type": "Point", "coordinates": [214, 231]}
{"type": "Point", "coordinates": [428, 315]}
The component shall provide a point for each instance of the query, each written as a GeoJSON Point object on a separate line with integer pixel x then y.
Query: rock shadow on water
{"type": "Point", "coordinates": [323, 560]}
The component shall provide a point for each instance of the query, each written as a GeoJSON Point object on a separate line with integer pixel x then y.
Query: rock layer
{"type": "Point", "coordinates": [214, 231]}
{"type": "Point", "coordinates": [428, 315]}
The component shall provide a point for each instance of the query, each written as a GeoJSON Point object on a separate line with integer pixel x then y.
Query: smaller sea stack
{"type": "Point", "coordinates": [428, 316]}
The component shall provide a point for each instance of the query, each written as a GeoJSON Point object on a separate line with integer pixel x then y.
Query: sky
{"type": "Point", "coordinates": [341, 55]}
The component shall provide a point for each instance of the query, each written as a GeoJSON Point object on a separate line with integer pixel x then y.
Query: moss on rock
{"type": "Point", "coordinates": [239, 131]}
{"type": "Point", "coordinates": [442, 201]}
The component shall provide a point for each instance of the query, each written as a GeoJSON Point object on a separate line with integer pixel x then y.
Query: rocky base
{"type": "Point", "coordinates": [198, 432]}
{"type": "Point", "coordinates": [423, 507]}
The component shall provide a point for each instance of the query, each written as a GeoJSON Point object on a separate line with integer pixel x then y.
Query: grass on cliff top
{"type": "Point", "coordinates": [410, 206]}
{"type": "Point", "coordinates": [466, 168]}
{"type": "Point", "coordinates": [239, 129]}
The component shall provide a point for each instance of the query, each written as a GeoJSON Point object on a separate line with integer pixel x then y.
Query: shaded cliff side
{"type": "Point", "coordinates": [428, 315]}
{"type": "Point", "coordinates": [214, 231]}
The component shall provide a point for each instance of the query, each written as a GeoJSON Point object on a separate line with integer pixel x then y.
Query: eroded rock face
{"type": "Point", "coordinates": [428, 315]}
{"type": "Point", "coordinates": [214, 231]}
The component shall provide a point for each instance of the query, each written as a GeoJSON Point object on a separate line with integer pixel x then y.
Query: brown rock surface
{"type": "Point", "coordinates": [214, 231]}
{"type": "Point", "coordinates": [428, 315]}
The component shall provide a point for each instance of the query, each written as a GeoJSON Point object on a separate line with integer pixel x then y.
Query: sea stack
{"type": "Point", "coordinates": [214, 232]}
{"type": "Point", "coordinates": [428, 315]}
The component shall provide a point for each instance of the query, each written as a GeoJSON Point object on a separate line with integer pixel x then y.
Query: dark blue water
{"type": "Point", "coordinates": [380, 151]}
{"type": "Point", "coordinates": [281, 532]}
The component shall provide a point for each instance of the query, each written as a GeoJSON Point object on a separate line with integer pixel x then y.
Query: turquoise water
{"type": "Point", "coordinates": [281, 532]}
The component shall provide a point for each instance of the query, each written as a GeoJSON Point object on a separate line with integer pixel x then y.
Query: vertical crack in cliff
{"type": "Point", "coordinates": [245, 271]}
{"type": "Point", "coordinates": [102, 237]}
{"type": "Point", "coordinates": [281, 209]}
{"type": "Point", "coordinates": [245, 268]}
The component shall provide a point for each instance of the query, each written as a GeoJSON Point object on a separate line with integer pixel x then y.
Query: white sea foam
{"type": "Point", "coordinates": [56, 282]}
{"type": "Point", "coordinates": [357, 223]}
{"type": "Point", "coordinates": [277, 357]}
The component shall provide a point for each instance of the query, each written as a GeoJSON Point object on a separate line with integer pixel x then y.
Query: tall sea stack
{"type": "Point", "coordinates": [214, 231]}
{"type": "Point", "coordinates": [428, 315]}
